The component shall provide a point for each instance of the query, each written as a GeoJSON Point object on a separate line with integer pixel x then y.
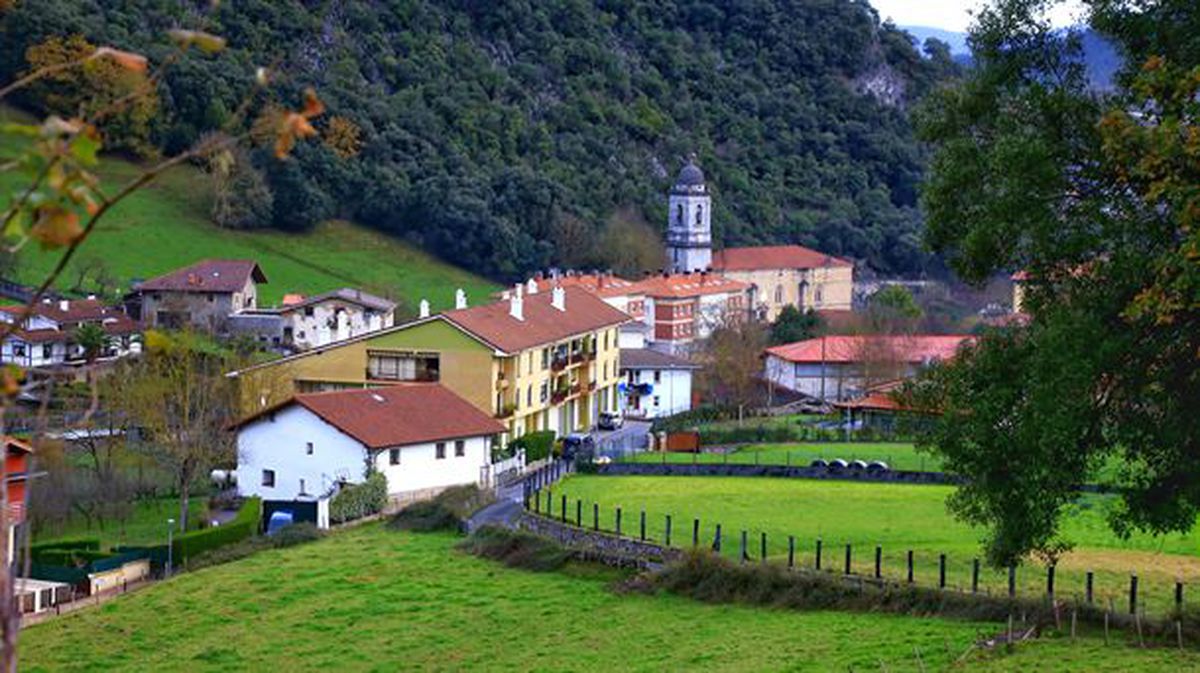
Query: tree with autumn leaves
{"type": "Point", "coordinates": [1095, 195]}
{"type": "Point", "coordinates": [97, 93]}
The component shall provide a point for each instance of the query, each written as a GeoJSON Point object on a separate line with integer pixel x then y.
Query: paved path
{"type": "Point", "coordinates": [503, 512]}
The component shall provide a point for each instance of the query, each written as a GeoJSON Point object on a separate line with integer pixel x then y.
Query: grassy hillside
{"type": "Point", "coordinates": [372, 599]}
{"type": "Point", "coordinates": [167, 226]}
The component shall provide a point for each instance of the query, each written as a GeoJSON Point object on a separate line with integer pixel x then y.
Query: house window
{"type": "Point", "coordinates": [308, 311]}
{"type": "Point", "coordinates": [47, 351]}
{"type": "Point", "coordinates": [18, 350]}
{"type": "Point", "coordinates": [393, 456]}
{"type": "Point", "coordinates": [211, 299]}
{"type": "Point", "coordinates": [679, 214]}
{"type": "Point", "coordinates": [699, 215]}
{"type": "Point", "coordinates": [268, 478]}
{"type": "Point", "coordinates": [657, 376]}
{"type": "Point", "coordinates": [460, 448]}
{"type": "Point", "coordinates": [544, 393]}
{"type": "Point", "coordinates": [819, 295]}
{"type": "Point", "coordinates": [529, 396]}
{"type": "Point", "coordinates": [308, 448]}
{"type": "Point", "coordinates": [441, 450]}
{"type": "Point", "coordinates": [393, 366]}
{"type": "Point", "coordinates": [656, 400]}
{"type": "Point", "coordinates": [545, 359]}
{"type": "Point", "coordinates": [302, 489]}
{"type": "Point", "coordinates": [778, 294]}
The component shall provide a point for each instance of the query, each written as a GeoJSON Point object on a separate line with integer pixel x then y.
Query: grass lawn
{"type": "Point", "coordinates": [147, 524]}
{"type": "Point", "coordinates": [374, 600]}
{"type": "Point", "coordinates": [166, 226]}
{"type": "Point", "coordinates": [899, 455]}
{"type": "Point", "coordinates": [899, 517]}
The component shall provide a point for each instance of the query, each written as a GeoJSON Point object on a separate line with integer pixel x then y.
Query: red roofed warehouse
{"type": "Point", "coordinates": [420, 436]}
{"type": "Point", "coordinates": [841, 367]}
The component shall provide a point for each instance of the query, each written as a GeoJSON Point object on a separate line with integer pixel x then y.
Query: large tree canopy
{"type": "Point", "coordinates": [1096, 198]}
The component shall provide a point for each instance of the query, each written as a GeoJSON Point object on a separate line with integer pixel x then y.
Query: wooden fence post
{"type": "Point", "coordinates": [763, 548]}
{"type": "Point", "coordinates": [878, 562]}
{"type": "Point", "coordinates": [618, 521]}
{"type": "Point", "coordinates": [563, 509]}
{"type": "Point", "coordinates": [1133, 582]}
{"type": "Point", "coordinates": [1088, 587]}
{"type": "Point", "coordinates": [1178, 597]}
{"type": "Point", "coordinates": [579, 512]}
{"type": "Point", "coordinates": [549, 502]}
{"type": "Point", "coordinates": [596, 516]}
{"type": "Point", "coordinates": [537, 501]}
{"type": "Point", "coordinates": [695, 532]}
{"type": "Point", "coordinates": [818, 553]}
{"type": "Point", "coordinates": [941, 571]}
{"type": "Point", "coordinates": [642, 526]}
{"type": "Point", "coordinates": [791, 552]}
{"type": "Point", "coordinates": [717, 540]}
{"type": "Point", "coordinates": [667, 534]}
{"type": "Point", "coordinates": [1012, 580]}
{"type": "Point", "coordinates": [910, 566]}
{"type": "Point", "coordinates": [847, 559]}
{"type": "Point", "coordinates": [1050, 581]}
{"type": "Point", "coordinates": [745, 554]}
{"type": "Point", "coordinates": [975, 576]}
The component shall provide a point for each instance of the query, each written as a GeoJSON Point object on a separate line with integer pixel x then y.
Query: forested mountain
{"type": "Point", "coordinates": [512, 134]}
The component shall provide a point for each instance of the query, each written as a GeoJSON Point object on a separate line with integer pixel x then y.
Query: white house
{"type": "Point", "coordinates": [421, 436]}
{"type": "Point", "coordinates": [842, 367]}
{"type": "Point", "coordinates": [303, 323]}
{"type": "Point", "coordinates": [655, 383]}
{"type": "Point", "coordinates": [45, 333]}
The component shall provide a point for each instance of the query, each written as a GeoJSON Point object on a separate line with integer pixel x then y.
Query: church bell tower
{"type": "Point", "coordinates": [689, 223]}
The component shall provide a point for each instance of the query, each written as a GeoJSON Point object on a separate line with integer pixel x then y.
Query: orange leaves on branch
{"type": "Point", "coordinates": [55, 226]}
{"type": "Point", "coordinates": [293, 126]}
{"type": "Point", "coordinates": [343, 137]}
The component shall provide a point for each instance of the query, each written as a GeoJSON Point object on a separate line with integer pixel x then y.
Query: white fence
{"type": "Point", "coordinates": [493, 475]}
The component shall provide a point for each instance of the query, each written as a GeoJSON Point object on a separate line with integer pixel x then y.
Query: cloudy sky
{"type": "Point", "coordinates": [955, 14]}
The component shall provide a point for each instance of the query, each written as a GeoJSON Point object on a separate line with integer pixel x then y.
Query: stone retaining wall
{"type": "Point", "coordinates": [598, 546]}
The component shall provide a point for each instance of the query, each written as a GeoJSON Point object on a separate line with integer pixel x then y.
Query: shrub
{"type": "Point", "coordinates": [448, 511]}
{"type": "Point", "coordinates": [537, 445]}
{"type": "Point", "coordinates": [244, 525]}
{"type": "Point", "coordinates": [517, 549]}
{"type": "Point", "coordinates": [359, 500]}
{"type": "Point", "coordinates": [297, 533]}
{"type": "Point", "coordinates": [37, 551]}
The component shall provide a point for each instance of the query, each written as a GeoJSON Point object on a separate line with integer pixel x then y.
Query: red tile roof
{"type": "Point", "coordinates": [683, 285]}
{"type": "Point", "coordinates": [773, 257]}
{"type": "Point", "coordinates": [601, 285]}
{"type": "Point", "coordinates": [542, 324]}
{"type": "Point", "coordinates": [847, 349]}
{"type": "Point", "coordinates": [398, 415]}
{"type": "Point", "coordinates": [75, 313]}
{"type": "Point", "coordinates": [210, 275]}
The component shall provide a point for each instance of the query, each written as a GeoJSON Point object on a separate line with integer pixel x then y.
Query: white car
{"type": "Point", "coordinates": [610, 420]}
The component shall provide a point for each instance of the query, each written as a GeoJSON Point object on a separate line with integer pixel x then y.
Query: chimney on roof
{"type": "Point", "coordinates": [558, 299]}
{"type": "Point", "coordinates": [531, 288]}
{"type": "Point", "coordinates": [516, 304]}
{"type": "Point", "coordinates": [460, 298]}
{"type": "Point", "coordinates": [63, 305]}
{"type": "Point", "coordinates": [423, 309]}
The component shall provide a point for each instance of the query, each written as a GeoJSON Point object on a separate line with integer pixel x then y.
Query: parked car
{"type": "Point", "coordinates": [578, 446]}
{"type": "Point", "coordinates": [610, 420]}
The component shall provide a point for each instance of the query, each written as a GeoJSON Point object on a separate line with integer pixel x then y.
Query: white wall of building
{"type": "Point", "coordinates": [420, 468]}
{"type": "Point", "coordinates": [333, 320]}
{"type": "Point", "coordinates": [671, 394]}
{"type": "Point", "coordinates": [829, 381]}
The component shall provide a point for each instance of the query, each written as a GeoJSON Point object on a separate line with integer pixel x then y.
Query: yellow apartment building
{"type": "Point", "coordinates": [542, 361]}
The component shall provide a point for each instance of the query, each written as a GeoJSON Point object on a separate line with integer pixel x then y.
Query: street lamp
{"type": "Point", "coordinates": [170, 530]}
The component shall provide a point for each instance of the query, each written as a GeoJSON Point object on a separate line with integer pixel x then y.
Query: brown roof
{"type": "Point", "coordinates": [397, 415]}
{"type": "Point", "coordinates": [295, 302]}
{"type": "Point", "coordinates": [74, 313]}
{"type": "Point", "coordinates": [210, 275]}
{"type": "Point", "coordinates": [644, 358]}
{"type": "Point", "coordinates": [682, 285]}
{"type": "Point", "coordinates": [773, 257]}
{"type": "Point", "coordinates": [542, 324]}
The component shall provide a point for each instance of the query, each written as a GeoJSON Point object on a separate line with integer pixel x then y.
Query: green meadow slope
{"type": "Point", "coordinates": [167, 226]}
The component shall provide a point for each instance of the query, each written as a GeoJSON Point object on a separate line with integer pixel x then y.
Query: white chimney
{"type": "Point", "coordinates": [460, 299]}
{"type": "Point", "coordinates": [558, 299]}
{"type": "Point", "coordinates": [531, 287]}
{"type": "Point", "coordinates": [424, 308]}
{"type": "Point", "coordinates": [63, 305]}
{"type": "Point", "coordinates": [516, 304]}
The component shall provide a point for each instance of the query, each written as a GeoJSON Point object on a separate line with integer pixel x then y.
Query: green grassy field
{"type": "Point", "coordinates": [166, 226]}
{"type": "Point", "coordinates": [895, 516]}
{"type": "Point", "coordinates": [898, 455]}
{"type": "Point", "coordinates": [372, 599]}
{"type": "Point", "coordinates": [147, 524]}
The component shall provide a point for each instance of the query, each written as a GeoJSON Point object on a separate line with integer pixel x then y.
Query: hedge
{"type": "Point", "coordinates": [359, 500]}
{"type": "Point", "coordinates": [537, 445]}
{"type": "Point", "coordinates": [240, 527]}
{"type": "Point", "coordinates": [37, 550]}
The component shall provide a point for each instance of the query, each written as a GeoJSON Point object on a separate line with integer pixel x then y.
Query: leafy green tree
{"type": "Point", "coordinates": [92, 340]}
{"type": "Point", "coordinates": [893, 310]}
{"type": "Point", "coordinates": [791, 325]}
{"type": "Point", "coordinates": [1095, 197]}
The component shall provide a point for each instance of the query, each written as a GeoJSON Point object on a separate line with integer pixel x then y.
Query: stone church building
{"type": "Point", "coordinates": [779, 275]}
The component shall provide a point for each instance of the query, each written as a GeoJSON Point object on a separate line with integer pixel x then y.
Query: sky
{"type": "Point", "coordinates": [955, 14]}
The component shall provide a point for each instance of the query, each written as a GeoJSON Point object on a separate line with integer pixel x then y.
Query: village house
{"type": "Point", "coordinates": [835, 368]}
{"type": "Point", "coordinates": [653, 383]}
{"type": "Point", "coordinates": [420, 436]}
{"type": "Point", "coordinates": [45, 334]}
{"type": "Point", "coordinates": [202, 295]}
{"type": "Point", "coordinates": [683, 309]}
{"type": "Point", "coordinates": [541, 361]}
{"type": "Point", "coordinates": [301, 323]}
